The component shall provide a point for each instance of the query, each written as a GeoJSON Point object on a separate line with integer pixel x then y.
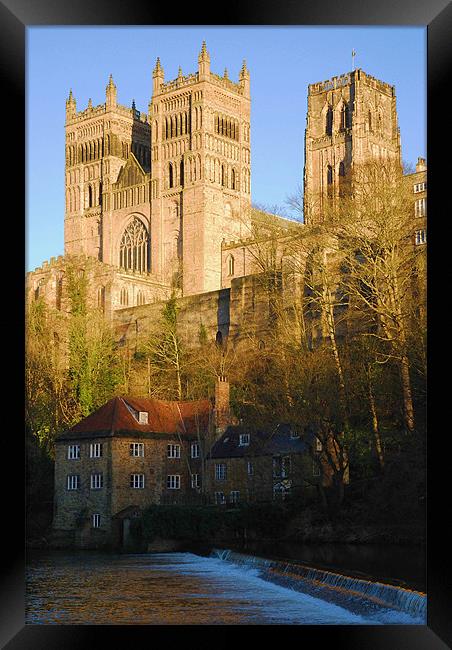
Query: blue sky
{"type": "Point", "coordinates": [282, 62]}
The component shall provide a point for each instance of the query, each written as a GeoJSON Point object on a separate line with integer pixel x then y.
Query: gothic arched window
{"type": "Point", "coordinates": [329, 180]}
{"type": "Point", "coordinates": [329, 174]}
{"type": "Point", "coordinates": [134, 247]}
{"type": "Point", "coordinates": [231, 265]}
{"type": "Point", "coordinates": [170, 175]}
{"type": "Point", "coordinates": [344, 117]}
{"type": "Point", "coordinates": [329, 121]}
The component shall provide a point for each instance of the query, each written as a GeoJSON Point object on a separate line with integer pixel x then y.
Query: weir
{"type": "Point", "coordinates": [353, 593]}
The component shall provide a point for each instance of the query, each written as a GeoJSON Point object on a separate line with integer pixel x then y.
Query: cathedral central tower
{"type": "Point", "coordinates": [351, 119]}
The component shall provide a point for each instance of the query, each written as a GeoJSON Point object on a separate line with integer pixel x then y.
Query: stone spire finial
{"type": "Point", "coordinates": [90, 103]}
{"type": "Point", "coordinates": [111, 83]}
{"type": "Point", "coordinates": [204, 55]}
{"type": "Point", "coordinates": [71, 106]}
{"type": "Point", "coordinates": [111, 92]}
{"type": "Point", "coordinates": [226, 73]}
{"type": "Point", "coordinates": [179, 74]}
{"type": "Point", "coordinates": [244, 71]}
{"type": "Point", "coordinates": [158, 70]}
{"type": "Point", "coordinates": [158, 76]}
{"type": "Point", "coordinates": [133, 105]}
{"type": "Point", "coordinates": [244, 79]}
{"type": "Point", "coordinates": [204, 61]}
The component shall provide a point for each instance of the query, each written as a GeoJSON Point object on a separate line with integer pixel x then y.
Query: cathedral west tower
{"type": "Point", "coordinates": [200, 186]}
{"type": "Point", "coordinates": [350, 119]}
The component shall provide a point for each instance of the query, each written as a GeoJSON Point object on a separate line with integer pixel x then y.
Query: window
{"type": "Point", "coordinates": [329, 121]}
{"type": "Point", "coordinates": [280, 491]}
{"type": "Point", "coordinates": [220, 498]}
{"type": "Point", "coordinates": [195, 450]}
{"type": "Point", "coordinates": [230, 265]}
{"type": "Point", "coordinates": [420, 208]}
{"type": "Point", "coordinates": [73, 482]}
{"type": "Point", "coordinates": [97, 481]}
{"type": "Point", "coordinates": [419, 187]}
{"type": "Point", "coordinates": [281, 466]}
{"type": "Point", "coordinates": [244, 439]}
{"type": "Point", "coordinates": [234, 496]}
{"type": "Point", "coordinates": [133, 250]}
{"type": "Point", "coordinates": [195, 481]}
{"type": "Point", "coordinates": [73, 452]}
{"type": "Point", "coordinates": [95, 450]}
{"type": "Point", "coordinates": [137, 449]}
{"type": "Point", "coordinates": [420, 237]}
{"type": "Point", "coordinates": [137, 481]}
{"type": "Point", "coordinates": [96, 521]}
{"type": "Point", "coordinates": [318, 445]}
{"type": "Point", "coordinates": [315, 468]}
{"type": "Point", "coordinates": [173, 451]}
{"type": "Point", "coordinates": [329, 174]}
{"type": "Point", "coordinates": [143, 417]}
{"type": "Point", "coordinates": [173, 482]}
{"type": "Point", "coordinates": [294, 435]}
{"type": "Point", "coordinates": [249, 468]}
{"type": "Point", "coordinates": [220, 471]}
{"type": "Point", "coordinates": [124, 297]}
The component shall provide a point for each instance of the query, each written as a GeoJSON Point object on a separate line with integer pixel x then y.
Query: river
{"type": "Point", "coordinates": [89, 587]}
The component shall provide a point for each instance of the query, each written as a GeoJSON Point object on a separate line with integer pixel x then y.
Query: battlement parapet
{"type": "Point", "coordinates": [346, 79]}
{"type": "Point", "coordinates": [237, 242]}
{"type": "Point", "coordinates": [330, 84]}
{"type": "Point", "coordinates": [225, 82]}
{"type": "Point", "coordinates": [101, 109]}
{"type": "Point", "coordinates": [180, 82]}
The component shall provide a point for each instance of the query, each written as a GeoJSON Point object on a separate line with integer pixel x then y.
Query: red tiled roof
{"type": "Point", "coordinates": [163, 417]}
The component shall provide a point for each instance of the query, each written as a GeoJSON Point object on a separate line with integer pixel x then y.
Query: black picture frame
{"type": "Point", "coordinates": [15, 17]}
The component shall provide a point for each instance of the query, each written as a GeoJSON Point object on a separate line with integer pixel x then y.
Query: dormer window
{"type": "Point", "coordinates": [244, 439]}
{"type": "Point", "coordinates": [294, 434]}
{"type": "Point", "coordinates": [143, 417]}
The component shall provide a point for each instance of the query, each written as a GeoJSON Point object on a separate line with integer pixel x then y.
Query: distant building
{"type": "Point", "coordinates": [249, 466]}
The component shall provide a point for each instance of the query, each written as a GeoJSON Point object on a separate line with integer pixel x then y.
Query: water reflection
{"type": "Point", "coordinates": [168, 589]}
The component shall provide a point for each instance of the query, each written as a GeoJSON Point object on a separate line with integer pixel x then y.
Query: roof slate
{"type": "Point", "coordinates": [262, 443]}
{"type": "Point", "coordinates": [164, 417]}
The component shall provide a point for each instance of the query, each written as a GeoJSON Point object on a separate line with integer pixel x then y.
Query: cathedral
{"type": "Point", "coordinates": [160, 203]}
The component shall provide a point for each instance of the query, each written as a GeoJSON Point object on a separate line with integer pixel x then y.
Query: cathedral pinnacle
{"type": "Point", "coordinates": [244, 71]}
{"type": "Point", "coordinates": [90, 103]}
{"type": "Point", "coordinates": [158, 70]}
{"type": "Point", "coordinates": [226, 73]}
{"type": "Point", "coordinates": [204, 55]}
{"type": "Point", "coordinates": [110, 92]}
{"type": "Point", "coordinates": [70, 104]}
{"type": "Point", "coordinates": [179, 74]}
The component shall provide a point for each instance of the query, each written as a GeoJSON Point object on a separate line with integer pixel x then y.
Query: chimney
{"type": "Point", "coordinates": [421, 165]}
{"type": "Point", "coordinates": [222, 409]}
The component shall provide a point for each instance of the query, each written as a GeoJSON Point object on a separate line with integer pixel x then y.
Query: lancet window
{"type": "Point", "coordinates": [134, 247]}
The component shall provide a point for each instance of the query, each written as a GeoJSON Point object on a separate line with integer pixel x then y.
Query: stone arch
{"type": "Point", "coordinates": [134, 246]}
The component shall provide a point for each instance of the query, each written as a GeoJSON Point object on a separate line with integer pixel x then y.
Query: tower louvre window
{"type": "Point", "coordinates": [329, 121]}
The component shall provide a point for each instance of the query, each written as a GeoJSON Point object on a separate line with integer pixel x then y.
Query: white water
{"type": "Point", "coordinates": [177, 588]}
{"type": "Point", "coordinates": [378, 602]}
